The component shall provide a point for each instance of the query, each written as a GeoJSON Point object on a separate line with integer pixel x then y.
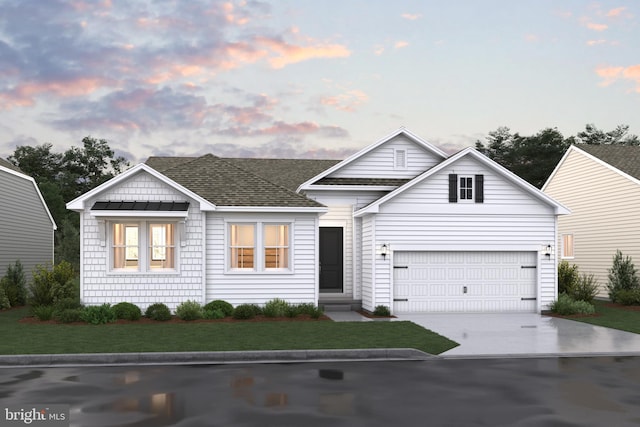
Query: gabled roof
{"type": "Point", "coordinates": [7, 164]}
{"type": "Point", "coordinates": [401, 131]}
{"type": "Point", "coordinates": [470, 151]}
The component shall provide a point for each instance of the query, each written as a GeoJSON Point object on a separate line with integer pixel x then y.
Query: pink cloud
{"type": "Point", "coordinates": [611, 75]}
{"type": "Point", "coordinates": [613, 13]}
{"type": "Point", "coordinates": [348, 101]}
{"type": "Point", "coordinates": [24, 94]}
{"type": "Point", "coordinates": [291, 54]}
{"type": "Point", "coordinates": [411, 17]}
{"type": "Point", "coordinates": [595, 42]}
{"type": "Point", "coordinates": [597, 27]}
{"type": "Point", "coordinates": [400, 44]}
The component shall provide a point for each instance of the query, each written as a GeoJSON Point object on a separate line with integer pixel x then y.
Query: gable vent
{"type": "Point", "coordinates": [400, 159]}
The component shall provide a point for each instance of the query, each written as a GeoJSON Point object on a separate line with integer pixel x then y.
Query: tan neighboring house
{"type": "Point", "coordinates": [600, 184]}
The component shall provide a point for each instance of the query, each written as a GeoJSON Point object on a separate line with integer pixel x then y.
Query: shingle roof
{"type": "Point", "coordinates": [163, 163]}
{"type": "Point", "coordinates": [9, 165]}
{"type": "Point", "coordinates": [225, 184]}
{"type": "Point", "coordinates": [623, 157]}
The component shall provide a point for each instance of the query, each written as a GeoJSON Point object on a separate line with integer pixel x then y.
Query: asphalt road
{"type": "Point", "coordinates": [603, 391]}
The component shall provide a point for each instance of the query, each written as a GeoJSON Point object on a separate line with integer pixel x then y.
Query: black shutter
{"type": "Point", "coordinates": [453, 188]}
{"type": "Point", "coordinates": [479, 188]}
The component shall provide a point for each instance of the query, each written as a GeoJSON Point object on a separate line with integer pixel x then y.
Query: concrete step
{"type": "Point", "coordinates": [336, 307]}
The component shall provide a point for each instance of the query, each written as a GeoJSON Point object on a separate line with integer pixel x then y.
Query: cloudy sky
{"type": "Point", "coordinates": [309, 78]}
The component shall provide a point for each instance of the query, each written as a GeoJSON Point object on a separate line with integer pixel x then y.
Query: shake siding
{"type": "Point", "coordinates": [368, 255]}
{"type": "Point", "coordinates": [379, 163]}
{"type": "Point", "coordinates": [298, 286]}
{"type": "Point", "coordinates": [604, 215]}
{"type": "Point", "coordinates": [143, 289]}
{"type": "Point", "coordinates": [26, 231]}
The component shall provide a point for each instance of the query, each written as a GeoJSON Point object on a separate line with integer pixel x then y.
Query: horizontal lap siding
{"type": "Point", "coordinates": [379, 163]}
{"type": "Point", "coordinates": [367, 262]}
{"type": "Point", "coordinates": [604, 216]}
{"type": "Point", "coordinates": [258, 288]}
{"type": "Point", "coordinates": [99, 286]}
{"type": "Point", "coordinates": [26, 231]}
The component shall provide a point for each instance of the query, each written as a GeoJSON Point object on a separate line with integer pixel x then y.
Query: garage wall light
{"type": "Point", "coordinates": [547, 251]}
{"type": "Point", "coordinates": [384, 250]}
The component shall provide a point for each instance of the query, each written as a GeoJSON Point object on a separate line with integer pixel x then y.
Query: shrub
{"type": "Point", "coordinates": [246, 311]}
{"type": "Point", "coordinates": [189, 310]}
{"type": "Point", "coordinates": [381, 310]}
{"type": "Point", "coordinates": [306, 308]}
{"type": "Point", "coordinates": [292, 310]}
{"type": "Point", "coordinates": [14, 284]}
{"type": "Point", "coordinates": [627, 297]}
{"type": "Point", "coordinates": [69, 315]}
{"type": "Point", "coordinates": [158, 311]}
{"type": "Point", "coordinates": [565, 306]}
{"type": "Point", "coordinates": [223, 306]}
{"type": "Point", "coordinates": [4, 300]}
{"type": "Point", "coordinates": [98, 314]}
{"type": "Point", "coordinates": [622, 275]}
{"type": "Point", "coordinates": [316, 313]}
{"type": "Point", "coordinates": [275, 308]}
{"type": "Point", "coordinates": [585, 289]}
{"type": "Point", "coordinates": [213, 313]}
{"type": "Point", "coordinates": [43, 312]}
{"type": "Point", "coordinates": [52, 284]}
{"type": "Point", "coordinates": [567, 277]}
{"type": "Point", "coordinates": [127, 311]}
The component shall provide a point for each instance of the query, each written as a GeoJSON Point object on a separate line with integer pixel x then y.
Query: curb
{"type": "Point", "coordinates": [213, 358]}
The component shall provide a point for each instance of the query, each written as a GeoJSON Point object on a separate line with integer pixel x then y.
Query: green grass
{"type": "Point", "coordinates": [611, 317]}
{"type": "Point", "coordinates": [24, 338]}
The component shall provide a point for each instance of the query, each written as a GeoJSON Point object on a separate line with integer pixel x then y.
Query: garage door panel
{"type": "Point", "coordinates": [436, 281]}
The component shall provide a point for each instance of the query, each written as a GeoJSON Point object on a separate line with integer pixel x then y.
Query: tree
{"type": "Point", "coordinates": [619, 136]}
{"type": "Point", "coordinates": [38, 162]}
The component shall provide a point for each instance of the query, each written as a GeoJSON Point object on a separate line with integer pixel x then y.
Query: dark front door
{"type": "Point", "coordinates": [331, 259]}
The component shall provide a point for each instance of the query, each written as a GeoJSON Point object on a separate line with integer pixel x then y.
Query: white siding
{"type": "Point", "coordinates": [298, 286]}
{"type": "Point", "coordinates": [379, 163]}
{"type": "Point", "coordinates": [604, 214]}
{"type": "Point", "coordinates": [368, 254]}
{"type": "Point", "coordinates": [143, 289]}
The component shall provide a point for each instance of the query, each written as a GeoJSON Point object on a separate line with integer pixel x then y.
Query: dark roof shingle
{"type": "Point", "coordinates": [623, 157]}
{"type": "Point", "coordinates": [9, 165]}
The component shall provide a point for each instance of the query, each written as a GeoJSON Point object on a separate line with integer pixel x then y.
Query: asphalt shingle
{"type": "Point", "coordinates": [623, 157]}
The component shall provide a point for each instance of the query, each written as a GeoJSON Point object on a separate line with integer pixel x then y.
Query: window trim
{"type": "Point", "coordinates": [259, 248]}
{"type": "Point", "coordinates": [568, 242]}
{"type": "Point", "coordinates": [472, 188]}
{"type": "Point", "coordinates": [287, 246]}
{"type": "Point", "coordinates": [144, 246]}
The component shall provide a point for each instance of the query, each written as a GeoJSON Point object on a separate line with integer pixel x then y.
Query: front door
{"type": "Point", "coordinates": [331, 262]}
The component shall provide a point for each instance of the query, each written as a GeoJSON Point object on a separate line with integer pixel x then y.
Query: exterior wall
{"type": "Point", "coordinates": [368, 254]}
{"type": "Point", "coordinates": [604, 214]}
{"type": "Point", "coordinates": [297, 286]}
{"type": "Point", "coordinates": [99, 285]}
{"type": "Point", "coordinates": [379, 163]}
{"type": "Point", "coordinates": [422, 219]}
{"type": "Point", "coordinates": [26, 231]}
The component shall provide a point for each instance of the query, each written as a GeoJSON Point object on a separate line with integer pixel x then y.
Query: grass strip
{"type": "Point", "coordinates": [613, 317]}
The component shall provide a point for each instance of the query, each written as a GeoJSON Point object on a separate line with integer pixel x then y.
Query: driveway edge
{"type": "Point", "coordinates": [213, 358]}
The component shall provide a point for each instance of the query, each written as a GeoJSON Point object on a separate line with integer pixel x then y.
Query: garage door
{"type": "Point", "coordinates": [464, 282]}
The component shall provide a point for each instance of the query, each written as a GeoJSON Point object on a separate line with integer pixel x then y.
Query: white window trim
{"type": "Point", "coordinates": [405, 154]}
{"type": "Point", "coordinates": [259, 247]}
{"type": "Point", "coordinates": [144, 249]}
{"type": "Point", "coordinates": [573, 246]}
{"type": "Point", "coordinates": [472, 199]}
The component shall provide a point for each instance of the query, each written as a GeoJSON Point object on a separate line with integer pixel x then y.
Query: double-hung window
{"type": "Point", "coordinates": [465, 188]}
{"type": "Point", "coordinates": [567, 246]}
{"type": "Point", "coordinates": [143, 246]}
{"type": "Point", "coordinates": [276, 246]}
{"type": "Point", "coordinates": [242, 246]}
{"type": "Point", "coordinates": [254, 247]}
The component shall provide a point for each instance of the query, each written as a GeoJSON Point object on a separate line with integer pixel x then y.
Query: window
{"type": "Point", "coordinates": [567, 246]}
{"type": "Point", "coordinates": [129, 251]}
{"type": "Point", "coordinates": [276, 246]}
{"type": "Point", "coordinates": [466, 188]}
{"type": "Point", "coordinates": [242, 246]}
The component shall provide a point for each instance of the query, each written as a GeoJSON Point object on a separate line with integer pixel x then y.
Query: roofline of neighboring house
{"type": "Point", "coordinates": [469, 151]}
{"type": "Point", "coordinates": [591, 157]}
{"type": "Point", "coordinates": [400, 131]}
{"type": "Point", "coordinates": [35, 185]}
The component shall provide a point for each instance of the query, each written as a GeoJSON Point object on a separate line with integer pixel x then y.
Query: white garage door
{"type": "Point", "coordinates": [464, 282]}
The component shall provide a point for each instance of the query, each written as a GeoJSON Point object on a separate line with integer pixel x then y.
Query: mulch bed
{"type": "Point", "coordinates": [571, 316]}
{"type": "Point", "coordinates": [623, 307]}
{"type": "Point", "coordinates": [174, 319]}
{"type": "Point", "coordinates": [373, 316]}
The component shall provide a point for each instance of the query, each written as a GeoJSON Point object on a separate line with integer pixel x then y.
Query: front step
{"type": "Point", "coordinates": [340, 305]}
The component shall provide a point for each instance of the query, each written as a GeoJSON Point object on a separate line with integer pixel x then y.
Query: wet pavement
{"type": "Point", "coordinates": [595, 391]}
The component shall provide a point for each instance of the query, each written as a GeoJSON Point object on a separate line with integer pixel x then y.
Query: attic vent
{"type": "Point", "coordinates": [400, 159]}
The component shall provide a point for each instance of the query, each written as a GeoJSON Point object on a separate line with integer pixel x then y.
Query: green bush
{"type": "Point", "coordinates": [4, 300]}
{"type": "Point", "coordinates": [316, 313]}
{"type": "Point", "coordinates": [189, 310]}
{"type": "Point", "coordinates": [69, 315]}
{"type": "Point", "coordinates": [127, 311]}
{"type": "Point", "coordinates": [225, 307]}
{"type": "Point", "coordinates": [568, 276]}
{"type": "Point", "coordinates": [43, 312]}
{"type": "Point", "coordinates": [213, 313]}
{"type": "Point", "coordinates": [275, 308]}
{"type": "Point", "coordinates": [585, 289]}
{"type": "Point", "coordinates": [158, 311]}
{"type": "Point", "coordinates": [14, 284]}
{"type": "Point", "coordinates": [627, 297]}
{"type": "Point", "coordinates": [622, 275]}
{"type": "Point", "coordinates": [246, 311]}
{"type": "Point", "coordinates": [98, 314]}
{"type": "Point", "coordinates": [52, 284]}
{"type": "Point", "coordinates": [293, 310]}
{"type": "Point", "coordinates": [306, 308]}
{"type": "Point", "coordinates": [381, 310]}
{"type": "Point", "coordinates": [566, 306]}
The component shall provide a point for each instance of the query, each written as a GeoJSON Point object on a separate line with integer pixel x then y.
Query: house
{"type": "Point", "coordinates": [26, 226]}
{"type": "Point", "coordinates": [601, 186]}
{"type": "Point", "coordinates": [400, 224]}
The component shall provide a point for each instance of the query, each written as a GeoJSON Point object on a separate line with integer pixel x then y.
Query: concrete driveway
{"type": "Point", "coordinates": [524, 334]}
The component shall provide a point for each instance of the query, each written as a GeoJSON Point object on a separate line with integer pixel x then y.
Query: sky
{"type": "Point", "coordinates": [309, 78]}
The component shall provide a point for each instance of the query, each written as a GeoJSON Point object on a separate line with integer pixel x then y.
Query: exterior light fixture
{"type": "Point", "coordinates": [384, 250]}
{"type": "Point", "coordinates": [547, 251]}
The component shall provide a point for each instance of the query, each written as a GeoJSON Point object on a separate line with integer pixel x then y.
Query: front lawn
{"type": "Point", "coordinates": [26, 338]}
{"type": "Point", "coordinates": [613, 317]}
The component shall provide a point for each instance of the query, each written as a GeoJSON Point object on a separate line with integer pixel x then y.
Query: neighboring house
{"type": "Point", "coordinates": [399, 224]}
{"type": "Point", "coordinates": [601, 186]}
{"type": "Point", "coordinates": [26, 226]}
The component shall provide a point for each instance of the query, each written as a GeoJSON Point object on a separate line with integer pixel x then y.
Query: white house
{"type": "Point", "coordinates": [399, 224]}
